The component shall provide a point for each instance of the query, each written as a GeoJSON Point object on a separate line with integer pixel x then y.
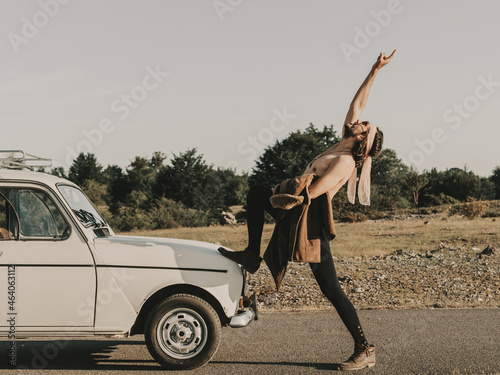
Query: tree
{"type": "Point", "coordinates": [389, 176]}
{"type": "Point", "coordinates": [183, 180]}
{"type": "Point", "coordinates": [59, 172]}
{"type": "Point", "coordinates": [416, 182]}
{"type": "Point", "coordinates": [458, 184]}
{"type": "Point", "coordinates": [485, 190]}
{"type": "Point", "coordinates": [234, 188]}
{"type": "Point", "coordinates": [118, 188]}
{"type": "Point", "coordinates": [221, 189]}
{"type": "Point", "coordinates": [142, 174]}
{"type": "Point", "coordinates": [495, 180]}
{"type": "Point", "coordinates": [95, 191]}
{"type": "Point", "coordinates": [157, 160]}
{"type": "Point", "coordinates": [85, 167]}
{"type": "Point", "coordinates": [288, 158]}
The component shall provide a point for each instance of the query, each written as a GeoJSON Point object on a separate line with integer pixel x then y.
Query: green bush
{"type": "Point", "coordinates": [428, 200]}
{"type": "Point", "coordinates": [167, 213]}
{"type": "Point", "coordinates": [129, 218]}
{"type": "Point", "coordinates": [493, 209]}
{"type": "Point", "coordinates": [163, 213]}
{"type": "Point", "coordinates": [241, 216]}
{"type": "Point", "coordinates": [472, 208]}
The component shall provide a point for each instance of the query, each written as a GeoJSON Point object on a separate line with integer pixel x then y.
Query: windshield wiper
{"type": "Point", "coordinates": [88, 217]}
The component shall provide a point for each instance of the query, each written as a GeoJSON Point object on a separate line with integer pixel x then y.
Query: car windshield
{"type": "Point", "coordinates": [82, 207]}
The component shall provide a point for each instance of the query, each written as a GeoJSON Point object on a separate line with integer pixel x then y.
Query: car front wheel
{"type": "Point", "coordinates": [183, 332]}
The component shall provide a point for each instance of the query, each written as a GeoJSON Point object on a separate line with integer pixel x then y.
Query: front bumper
{"type": "Point", "coordinates": [246, 316]}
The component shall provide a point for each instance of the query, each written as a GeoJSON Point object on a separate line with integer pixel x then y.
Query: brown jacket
{"type": "Point", "coordinates": [300, 226]}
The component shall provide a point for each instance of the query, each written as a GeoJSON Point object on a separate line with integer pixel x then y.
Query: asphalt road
{"type": "Point", "coordinates": [436, 341]}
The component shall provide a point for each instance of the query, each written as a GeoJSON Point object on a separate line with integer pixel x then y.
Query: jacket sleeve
{"type": "Point", "coordinates": [287, 195]}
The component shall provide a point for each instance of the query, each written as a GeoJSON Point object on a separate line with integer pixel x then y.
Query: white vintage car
{"type": "Point", "coordinates": [63, 272]}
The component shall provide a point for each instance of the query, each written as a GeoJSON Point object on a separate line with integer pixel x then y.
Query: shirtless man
{"type": "Point", "coordinates": [334, 167]}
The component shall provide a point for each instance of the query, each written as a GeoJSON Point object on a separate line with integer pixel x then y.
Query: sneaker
{"type": "Point", "coordinates": [364, 356]}
{"type": "Point", "coordinates": [248, 259]}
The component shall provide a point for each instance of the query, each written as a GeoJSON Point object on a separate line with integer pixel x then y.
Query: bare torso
{"type": "Point", "coordinates": [323, 162]}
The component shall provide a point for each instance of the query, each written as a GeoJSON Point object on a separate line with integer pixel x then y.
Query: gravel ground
{"type": "Point", "coordinates": [444, 277]}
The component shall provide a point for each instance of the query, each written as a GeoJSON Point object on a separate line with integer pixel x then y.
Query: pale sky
{"type": "Point", "coordinates": [121, 78]}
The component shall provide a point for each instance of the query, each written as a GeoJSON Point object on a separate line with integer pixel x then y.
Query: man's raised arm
{"type": "Point", "coordinates": [359, 101]}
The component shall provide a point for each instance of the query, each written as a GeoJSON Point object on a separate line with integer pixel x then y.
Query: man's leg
{"type": "Point", "coordinates": [257, 204]}
{"type": "Point", "coordinates": [326, 276]}
{"type": "Point", "coordinates": [328, 282]}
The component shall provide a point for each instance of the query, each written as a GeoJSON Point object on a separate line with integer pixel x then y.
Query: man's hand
{"type": "Point", "coordinates": [383, 60]}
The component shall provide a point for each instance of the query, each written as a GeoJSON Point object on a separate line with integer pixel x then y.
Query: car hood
{"type": "Point", "coordinates": [135, 251]}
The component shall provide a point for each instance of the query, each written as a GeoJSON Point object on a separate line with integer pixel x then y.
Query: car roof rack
{"type": "Point", "coordinates": [17, 159]}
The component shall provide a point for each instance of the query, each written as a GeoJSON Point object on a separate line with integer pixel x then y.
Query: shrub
{"type": "Point", "coordinates": [130, 218]}
{"type": "Point", "coordinates": [163, 214]}
{"type": "Point", "coordinates": [493, 209]}
{"type": "Point", "coordinates": [427, 200]}
{"type": "Point", "coordinates": [472, 208]}
{"type": "Point", "coordinates": [167, 213]}
{"type": "Point", "coordinates": [491, 213]}
{"type": "Point", "coordinates": [241, 216]}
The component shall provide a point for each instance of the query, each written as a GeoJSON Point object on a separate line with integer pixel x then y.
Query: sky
{"type": "Point", "coordinates": [123, 78]}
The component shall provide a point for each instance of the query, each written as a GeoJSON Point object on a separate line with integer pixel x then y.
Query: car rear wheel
{"type": "Point", "coordinates": [183, 332]}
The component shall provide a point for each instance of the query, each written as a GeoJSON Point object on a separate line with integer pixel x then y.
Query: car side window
{"type": "Point", "coordinates": [38, 216]}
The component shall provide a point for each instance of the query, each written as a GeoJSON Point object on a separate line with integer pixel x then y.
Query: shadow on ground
{"type": "Point", "coordinates": [79, 355]}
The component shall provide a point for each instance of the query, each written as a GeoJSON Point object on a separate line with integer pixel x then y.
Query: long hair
{"type": "Point", "coordinates": [377, 144]}
{"type": "Point", "coordinates": [359, 151]}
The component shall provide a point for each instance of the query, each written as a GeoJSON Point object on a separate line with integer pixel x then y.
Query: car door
{"type": "Point", "coordinates": [47, 273]}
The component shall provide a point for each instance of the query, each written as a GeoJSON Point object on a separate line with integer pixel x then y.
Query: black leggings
{"type": "Point", "coordinates": [324, 272]}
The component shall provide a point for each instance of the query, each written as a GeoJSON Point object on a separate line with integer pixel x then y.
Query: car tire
{"type": "Point", "coordinates": [183, 332]}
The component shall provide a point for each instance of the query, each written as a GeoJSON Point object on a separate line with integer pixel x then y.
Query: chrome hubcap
{"type": "Point", "coordinates": [182, 333]}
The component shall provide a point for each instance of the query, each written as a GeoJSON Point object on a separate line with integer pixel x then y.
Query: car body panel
{"type": "Point", "coordinates": [52, 278]}
{"type": "Point", "coordinates": [159, 262]}
{"type": "Point", "coordinates": [86, 285]}
{"type": "Point", "coordinates": [113, 310]}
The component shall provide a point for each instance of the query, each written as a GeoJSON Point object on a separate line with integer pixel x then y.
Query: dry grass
{"type": "Point", "coordinates": [364, 239]}
{"type": "Point", "coordinates": [448, 276]}
{"type": "Point", "coordinates": [382, 237]}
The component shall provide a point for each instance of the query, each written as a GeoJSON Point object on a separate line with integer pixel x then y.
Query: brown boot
{"type": "Point", "coordinates": [364, 356]}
